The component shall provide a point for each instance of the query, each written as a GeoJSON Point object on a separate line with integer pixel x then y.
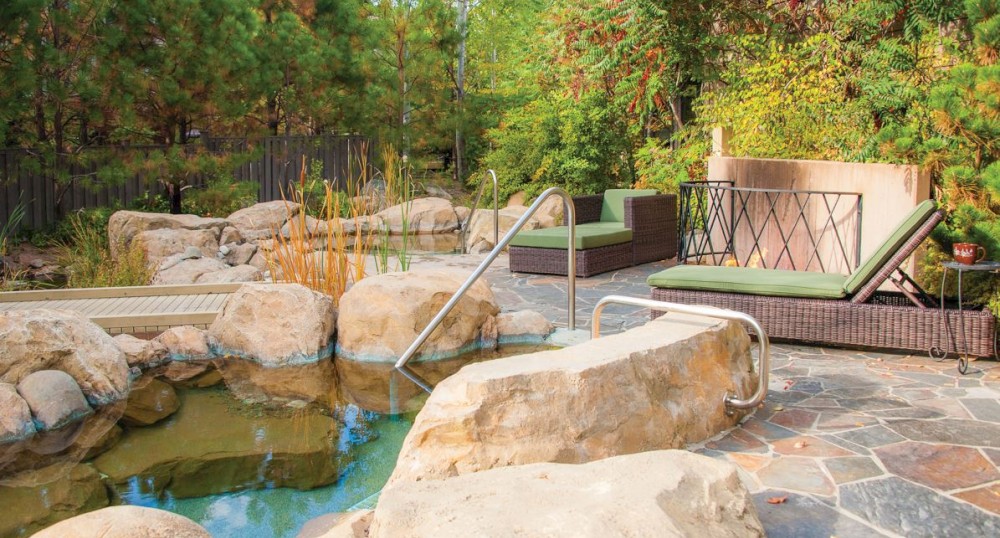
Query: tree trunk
{"type": "Point", "coordinates": [463, 12]}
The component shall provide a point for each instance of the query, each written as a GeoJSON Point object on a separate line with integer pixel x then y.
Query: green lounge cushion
{"type": "Point", "coordinates": [613, 206]}
{"type": "Point", "coordinates": [890, 246]}
{"type": "Point", "coordinates": [591, 235]}
{"type": "Point", "coordinates": [771, 282]}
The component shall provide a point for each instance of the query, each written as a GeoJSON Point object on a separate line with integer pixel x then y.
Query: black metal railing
{"type": "Point", "coordinates": [721, 224]}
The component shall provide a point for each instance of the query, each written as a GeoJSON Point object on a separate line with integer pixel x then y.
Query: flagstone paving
{"type": "Point", "coordinates": [848, 443]}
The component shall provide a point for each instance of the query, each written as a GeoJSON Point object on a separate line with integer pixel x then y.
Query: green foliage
{"type": "Point", "coordinates": [664, 167]}
{"type": "Point", "coordinates": [556, 140]}
{"type": "Point", "coordinates": [219, 197]}
{"type": "Point", "coordinates": [88, 260]}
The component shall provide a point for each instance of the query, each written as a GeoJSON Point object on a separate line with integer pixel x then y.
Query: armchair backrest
{"type": "Point", "coordinates": [613, 207]}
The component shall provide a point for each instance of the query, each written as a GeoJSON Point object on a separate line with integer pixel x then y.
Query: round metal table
{"type": "Point", "coordinates": [938, 353]}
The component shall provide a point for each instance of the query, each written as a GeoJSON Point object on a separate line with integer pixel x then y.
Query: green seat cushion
{"type": "Point", "coordinates": [613, 206]}
{"type": "Point", "coordinates": [771, 282]}
{"type": "Point", "coordinates": [890, 246]}
{"type": "Point", "coordinates": [591, 235]}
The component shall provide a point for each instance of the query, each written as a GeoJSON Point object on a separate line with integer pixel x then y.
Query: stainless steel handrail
{"type": "Point", "coordinates": [475, 205]}
{"type": "Point", "coordinates": [763, 368]}
{"type": "Point", "coordinates": [570, 211]}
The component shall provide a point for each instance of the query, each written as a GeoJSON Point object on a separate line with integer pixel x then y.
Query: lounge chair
{"type": "Point", "coordinates": [837, 309]}
{"type": "Point", "coordinates": [617, 229]}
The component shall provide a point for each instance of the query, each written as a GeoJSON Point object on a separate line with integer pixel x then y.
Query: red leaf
{"type": "Point", "coordinates": [777, 500]}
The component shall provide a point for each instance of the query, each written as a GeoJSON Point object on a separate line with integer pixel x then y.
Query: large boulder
{"type": "Point", "coordinates": [44, 339]}
{"type": "Point", "coordinates": [668, 493]}
{"type": "Point", "coordinates": [205, 448]}
{"type": "Point", "coordinates": [522, 326]}
{"type": "Point", "coordinates": [15, 415]}
{"type": "Point", "coordinates": [188, 271]}
{"type": "Point", "coordinates": [260, 221]}
{"type": "Point", "coordinates": [480, 234]}
{"type": "Point", "coordinates": [382, 315]}
{"type": "Point", "coordinates": [423, 216]}
{"type": "Point", "coordinates": [230, 275]}
{"type": "Point", "coordinates": [126, 522]}
{"type": "Point", "coordinates": [33, 500]}
{"type": "Point", "coordinates": [123, 226]}
{"type": "Point", "coordinates": [550, 213]}
{"type": "Point", "coordinates": [653, 387]}
{"type": "Point", "coordinates": [238, 254]}
{"type": "Point", "coordinates": [54, 398]}
{"type": "Point", "coordinates": [186, 343]}
{"type": "Point", "coordinates": [163, 243]}
{"type": "Point", "coordinates": [150, 401]}
{"type": "Point", "coordinates": [275, 324]}
{"type": "Point", "coordinates": [144, 354]}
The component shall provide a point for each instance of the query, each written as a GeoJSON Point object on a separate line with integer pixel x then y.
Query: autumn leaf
{"type": "Point", "coordinates": [801, 444]}
{"type": "Point", "coordinates": [777, 500]}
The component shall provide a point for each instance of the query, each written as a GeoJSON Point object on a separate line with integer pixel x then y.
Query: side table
{"type": "Point", "coordinates": [960, 347]}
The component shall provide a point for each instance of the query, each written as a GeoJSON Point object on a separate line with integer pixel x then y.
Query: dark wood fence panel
{"type": "Point", "coordinates": [274, 164]}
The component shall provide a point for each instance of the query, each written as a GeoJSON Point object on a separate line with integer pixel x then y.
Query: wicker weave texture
{"type": "Point", "coordinates": [871, 287]}
{"type": "Point", "coordinates": [553, 261]}
{"type": "Point", "coordinates": [887, 326]}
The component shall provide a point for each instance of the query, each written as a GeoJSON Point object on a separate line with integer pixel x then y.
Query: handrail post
{"type": "Point", "coordinates": [763, 368]}
{"type": "Point", "coordinates": [570, 211]}
{"type": "Point", "coordinates": [475, 205]}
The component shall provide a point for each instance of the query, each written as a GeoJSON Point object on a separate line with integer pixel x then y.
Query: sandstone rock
{"type": "Point", "coordinates": [437, 192]}
{"type": "Point", "coordinates": [186, 344]}
{"type": "Point", "coordinates": [145, 354]}
{"type": "Point", "coordinates": [45, 339]}
{"type": "Point", "coordinates": [259, 221]}
{"type": "Point", "coordinates": [462, 213]}
{"type": "Point", "coordinates": [161, 244]}
{"type": "Point", "coordinates": [382, 315]}
{"type": "Point", "coordinates": [15, 415]}
{"type": "Point", "coordinates": [33, 500]}
{"type": "Point", "coordinates": [240, 273]}
{"type": "Point", "coordinates": [352, 524]}
{"type": "Point", "coordinates": [669, 493]}
{"type": "Point", "coordinates": [125, 225]}
{"type": "Point", "coordinates": [126, 522]}
{"type": "Point", "coordinates": [188, 374]}
{"type": "Point", "coordinates": [54, 398]}
{"type": "Point", "coordinates": [259, 260]}
{"type": "Point", "coordinates": [305, 227]}
{"type": "Point", "coordinates": [229, 235]}
{"type": "Point", "coordinates": [275, 324]}
{"type": "Point", "coordinates": [518, 198]}
{"type": "Point", "coordinates": [240, 254]}
{"type": "Point", "coordinates": [150, 401]}
{"type": "Point", "coordinates": [252, 382]}
{"type": "Point", "coordinates": [656, 386]}
{"type": "Point", "coordinates": [550, 213]}
{"type": "Point", "coordinates": [188, 271]}
{"type": "Point", "coordinates": [522, 326]}
{"type": "Point", "coordinates": [235, 451]}
{"type": "Point", "coordinates": [425, 216]}
{"type": "Point", "coordinates": [481, 227]}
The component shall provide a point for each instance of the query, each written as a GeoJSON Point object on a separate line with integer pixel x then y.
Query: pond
{"type": "Point", "coordinates": [250, 451]}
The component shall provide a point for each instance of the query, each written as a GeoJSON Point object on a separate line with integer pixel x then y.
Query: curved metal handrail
{"type": "Point", "coordinates": [570, 210]}
{"type": "Point", "coordinates": [475, 205]}
{"type": "Point", "coordinates": [763, 368]}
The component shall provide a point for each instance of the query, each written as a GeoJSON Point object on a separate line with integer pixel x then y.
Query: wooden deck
{"type": "Point", "coordinates": [142, 309]}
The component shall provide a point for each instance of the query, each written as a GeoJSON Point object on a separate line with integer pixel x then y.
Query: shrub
{"type": "Point", "coordinates": [88, 261]}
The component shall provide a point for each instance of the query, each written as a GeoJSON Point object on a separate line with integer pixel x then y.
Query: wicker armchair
{"type": "Point", "coordinates": [647, 233]}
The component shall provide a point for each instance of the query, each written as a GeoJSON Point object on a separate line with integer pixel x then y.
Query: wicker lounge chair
{"type": "Point", "coordinates": [620, 228]}
{"type": "Point", "coordinates": [837, 309]}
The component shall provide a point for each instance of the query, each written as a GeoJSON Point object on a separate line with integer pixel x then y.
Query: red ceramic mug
{"type": "Point", "coordinates": [968, 253]}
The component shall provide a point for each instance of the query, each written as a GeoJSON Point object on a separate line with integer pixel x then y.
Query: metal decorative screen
{"type": "Point", "coordinates": [721, 224]}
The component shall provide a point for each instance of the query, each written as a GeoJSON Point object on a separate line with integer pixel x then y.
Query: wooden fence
{"type": "Point", "coordinates": [276, 162]}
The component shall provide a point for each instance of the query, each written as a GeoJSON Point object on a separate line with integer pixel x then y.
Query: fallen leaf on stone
{"type": "Point", "coordinates": [801, 444]}
{"type": "Point", "coordinates": [777, 500]}
{"type": "Point", "coordinates": [859, 424]}
{"type": "Point", "coordinates": [779, 408]}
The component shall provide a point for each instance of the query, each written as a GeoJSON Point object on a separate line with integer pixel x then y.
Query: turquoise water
{"type": "Point", "coordinates": [281, 512]}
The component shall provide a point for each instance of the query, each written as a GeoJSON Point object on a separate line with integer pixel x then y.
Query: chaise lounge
{"type": "Point", "coordinates": [617, 229]}
{"type": "Point", "coordinates": [840, 309]}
